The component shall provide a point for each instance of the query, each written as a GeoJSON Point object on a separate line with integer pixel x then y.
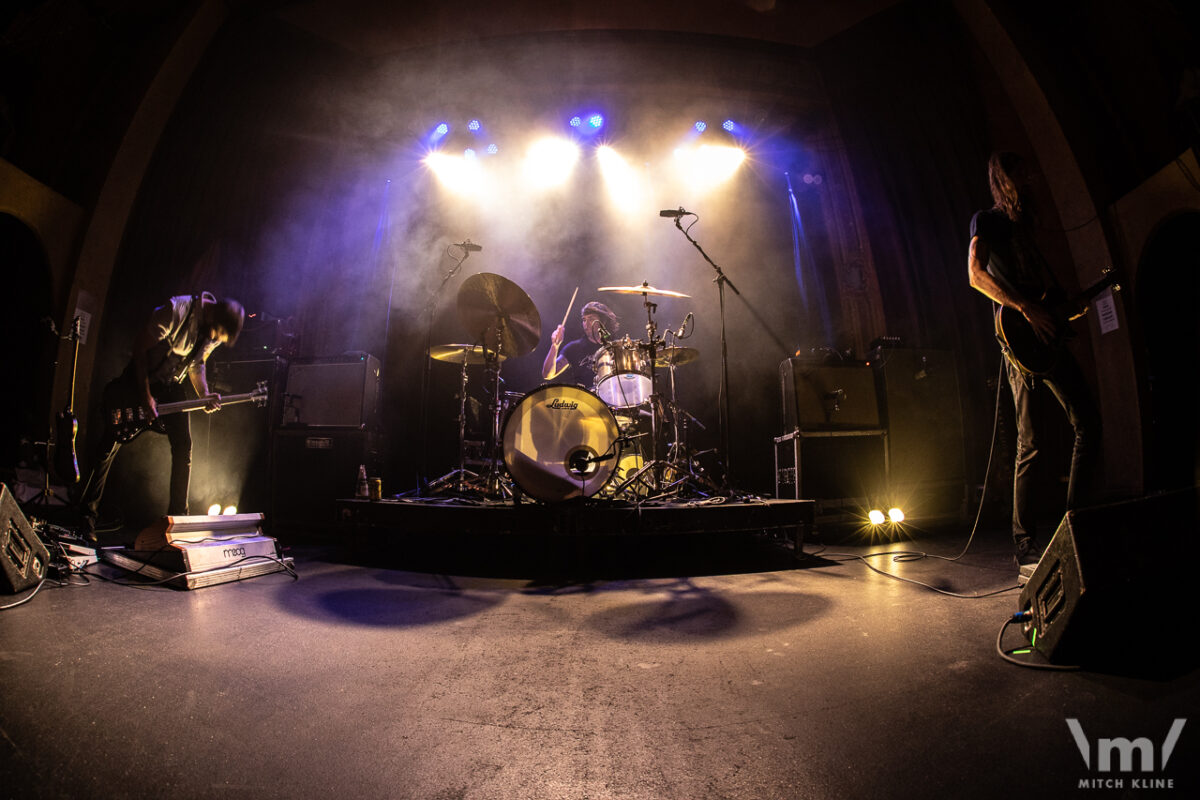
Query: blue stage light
{"type": "Point", "coordinates": [492, 149]}
{"type": "Point", "coordinates": [596, 121]}
{"type": "Point", "coordinates": [575, 122]}
{"type": "Point", "coordinates": [474, 126]}
{"type": "Point", "coordinates": [441, 130]}
{"type": "Point", "coordinates": [700, 126]}
{"type": "Point", "coordinates": [729, 125]}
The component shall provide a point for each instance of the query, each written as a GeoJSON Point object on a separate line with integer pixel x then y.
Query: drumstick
{"type": "Point", "coordinates": [569, 305]}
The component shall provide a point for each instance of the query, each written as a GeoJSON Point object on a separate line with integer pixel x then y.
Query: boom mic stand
{"type": "Point", "coordinates": [723, 405]}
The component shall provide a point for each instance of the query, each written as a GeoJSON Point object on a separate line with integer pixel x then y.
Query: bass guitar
{"type": "Point", "coordinates": [126, 418]}
{"type": "Point", "coordinates": [1020, 341]}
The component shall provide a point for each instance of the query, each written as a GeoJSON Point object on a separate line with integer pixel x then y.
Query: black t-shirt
{"type": "Point", "coordinates": [580, 354]}
{"type": "Point", "coordinates": [1013, 254]}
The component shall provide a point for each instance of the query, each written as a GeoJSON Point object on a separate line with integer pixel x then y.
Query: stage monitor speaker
{"type": "Point", "coordinates": [827, 397]}
{"type": "Point", "coordinates": [23, 557]}
{"type": "Point", "coordinates": [342, 392]}
{"type": "Point", "coordinates": [1110, 586]}
{"type": "Point", "coordinates": [313, 467]}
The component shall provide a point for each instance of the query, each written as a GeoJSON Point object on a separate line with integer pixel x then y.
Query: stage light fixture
{"type": "Point", "coordinates": [701, 126]}
{"type": "Point", "coordinates": [550, 161]}
{"type": "Point", "coordinates": [896, 515]}
{"type": "Point", "coordinates": [596, 121]}
{"type": "Point", "coordinates": [876, 517]}
{"type": "Point", "coordinates": [729, 125]}
{"type": "Point", "coordinates": [575, 121]}
{"type": "Point", "coordinates": [214, 510]}
{"type": "Point", "coordinates": [459, 174]}
{"type": "Point", "coordinates": [492, 149]}
{"type": "Point", "coordinates": [228, 511]}
{"type": "Point", "coordinates": [709, 164]}
{"type": "Point", "coordinates": [474, 126]}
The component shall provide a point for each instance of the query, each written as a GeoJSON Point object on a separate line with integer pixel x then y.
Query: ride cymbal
{"type": "Point", "coordinates": [674, 356]}
{"type": "Point", "coordinates": [645, 288]}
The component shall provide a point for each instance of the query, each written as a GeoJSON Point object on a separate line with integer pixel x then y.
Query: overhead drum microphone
{"type": "Point", "coordinates": [673, 212]}
{"type": "Point", "coordinates": [470, 246]}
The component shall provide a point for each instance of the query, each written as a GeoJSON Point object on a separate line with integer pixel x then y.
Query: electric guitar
{"type": "Point", "coordinates": [126, 418]}
{"type": "Point", "coordinates": [1020, 341]}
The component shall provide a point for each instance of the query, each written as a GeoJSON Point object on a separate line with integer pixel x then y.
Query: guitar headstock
{"type": "Point", "coordinates": [259, 395]}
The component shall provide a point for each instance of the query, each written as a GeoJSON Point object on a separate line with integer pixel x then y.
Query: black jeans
{"type": "Point", "coordinates": [1068, 386]}
{"type": "Point", "coordinates": [179, 433]}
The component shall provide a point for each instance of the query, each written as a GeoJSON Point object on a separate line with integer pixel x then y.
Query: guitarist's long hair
{"type": "Point", "coordinates": [1003, 172]}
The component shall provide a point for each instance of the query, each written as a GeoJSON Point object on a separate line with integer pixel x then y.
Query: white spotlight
{"type": "Point", "coordinates": [876, 516]}
{"type": "Point", "coordinates": [459, 174]}
{"type": "Point", "coordinates": [895, 515]}
{"type": "Point", "coordinates": [229, 511]}
{"type": "Point", "coordinates": [550, 161]}
{"type": "Point", "coordinates": [214, 510]}
{"type": "Point", "coordinates": [709, 164]}
{"type": "Point", "coordinates": [622, 180]}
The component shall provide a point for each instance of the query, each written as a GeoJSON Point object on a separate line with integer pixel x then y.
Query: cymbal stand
{"type": "Point", "coordinates": [655, 465]}
{"type": "Point", "coordinates": [494, 482]}
{"type": "Point", "coordinates": [462, 474]}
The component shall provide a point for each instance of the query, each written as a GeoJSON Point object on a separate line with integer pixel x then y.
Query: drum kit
{"type": "Point", "coordinates": [560, 441]}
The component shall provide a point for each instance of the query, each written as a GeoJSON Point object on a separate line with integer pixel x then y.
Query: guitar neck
{"type": "Point", "coordinates": [196, 405]}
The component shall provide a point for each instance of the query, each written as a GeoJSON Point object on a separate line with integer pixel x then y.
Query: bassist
{"type": "Point", "coordinates": [172, 346]}
{"type": "Point", "coordinates": [1005, 264]}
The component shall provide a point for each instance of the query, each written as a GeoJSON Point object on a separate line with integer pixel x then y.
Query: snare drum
{"type": "Point", "coordinates": [561, 442]}
{"type": "Point", "coordinates": [622, 374]}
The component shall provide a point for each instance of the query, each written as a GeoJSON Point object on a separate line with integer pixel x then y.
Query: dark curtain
{"type": "Point", "coordinates": [905, 89]}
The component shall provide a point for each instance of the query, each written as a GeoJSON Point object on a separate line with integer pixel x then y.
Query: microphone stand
{"type": "Point", "coordinates": [723, 404]}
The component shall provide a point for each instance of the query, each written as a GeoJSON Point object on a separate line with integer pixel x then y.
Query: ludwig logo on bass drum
{"type": "Point", "coordinates": [566, 405]}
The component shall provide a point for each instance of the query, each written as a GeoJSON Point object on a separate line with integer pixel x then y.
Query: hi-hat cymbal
{"type": "Point", "coordinates": [645, 288]}
{"type": "Point", "coordinates": [674, 356]}
{"type": "Point", "coordinates": [499, 312]}
{"type": "Point", "coordinates": [463, 353]}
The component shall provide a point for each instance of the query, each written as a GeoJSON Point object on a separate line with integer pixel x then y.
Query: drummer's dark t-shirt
{"type": "Point", "coordinates": [581, 355]}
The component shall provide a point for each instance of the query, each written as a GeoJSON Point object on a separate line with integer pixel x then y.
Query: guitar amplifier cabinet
{"type": "Point", "coordinates": [342, 392]}
{"type": "Point", "coordinates": [828, 397]}
{"type": "Point", "coordinates": [313, 467]}
{"type": "Point", "coordinates": [831, 465]}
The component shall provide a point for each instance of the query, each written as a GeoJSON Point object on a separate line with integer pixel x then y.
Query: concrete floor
{"type": "Point", "coordinates": [697, 667]}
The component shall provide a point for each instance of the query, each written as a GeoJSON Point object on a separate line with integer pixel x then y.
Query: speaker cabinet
{"type": "Point", "coordinates": [1110, 586]}
{"type": "Point", "coordinates": [313, 467]}
{"type": "Point", "coordinates": [831, 465]}
{"type": "Point", "coordinates": [827, 397]}
{"type": "Point", "coordinates": [921, 407]}
{"type": "Point", "coordinates": [327, 393]}
{"type": "Point", "coordinates": [23, 557]}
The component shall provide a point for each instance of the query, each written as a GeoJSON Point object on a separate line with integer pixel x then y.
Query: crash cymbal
{"type": "Point", "coordinates": [460, 353]}
{"type": "Point", "coordinates": [645, 288]}
{"type": "Point", "coordinates": [674, 356]}
{"type": "Point", "coordinates": [499, 312]}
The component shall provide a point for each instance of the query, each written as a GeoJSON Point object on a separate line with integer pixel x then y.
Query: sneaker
{"type": "Point", "coordinates": [1028, 551]}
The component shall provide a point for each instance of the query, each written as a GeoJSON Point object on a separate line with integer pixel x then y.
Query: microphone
{"type": "Point", "coordinates": [604, 334]}
{"type": "Point", "coordinates": [469, 246]}
{"type": "Point", "coordinates": [672, 212]}
{"type": "Point", "coordinates": [679, 333]}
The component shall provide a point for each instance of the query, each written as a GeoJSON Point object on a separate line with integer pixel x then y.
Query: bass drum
{"type": "Point", "coordinates": [560, 442]}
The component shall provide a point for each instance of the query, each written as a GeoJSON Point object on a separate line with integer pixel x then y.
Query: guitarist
{"type": "Point", "coordinates": [1005, 265]}
{"type": "Point", "coordinates": [173, 345]}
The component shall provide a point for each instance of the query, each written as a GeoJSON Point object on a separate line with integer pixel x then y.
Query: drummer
{"type": "Point", "coordinates": [577, 357]}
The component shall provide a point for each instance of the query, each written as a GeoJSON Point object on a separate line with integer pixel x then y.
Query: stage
{"type": "Point", "coordinates": [486, 666]}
